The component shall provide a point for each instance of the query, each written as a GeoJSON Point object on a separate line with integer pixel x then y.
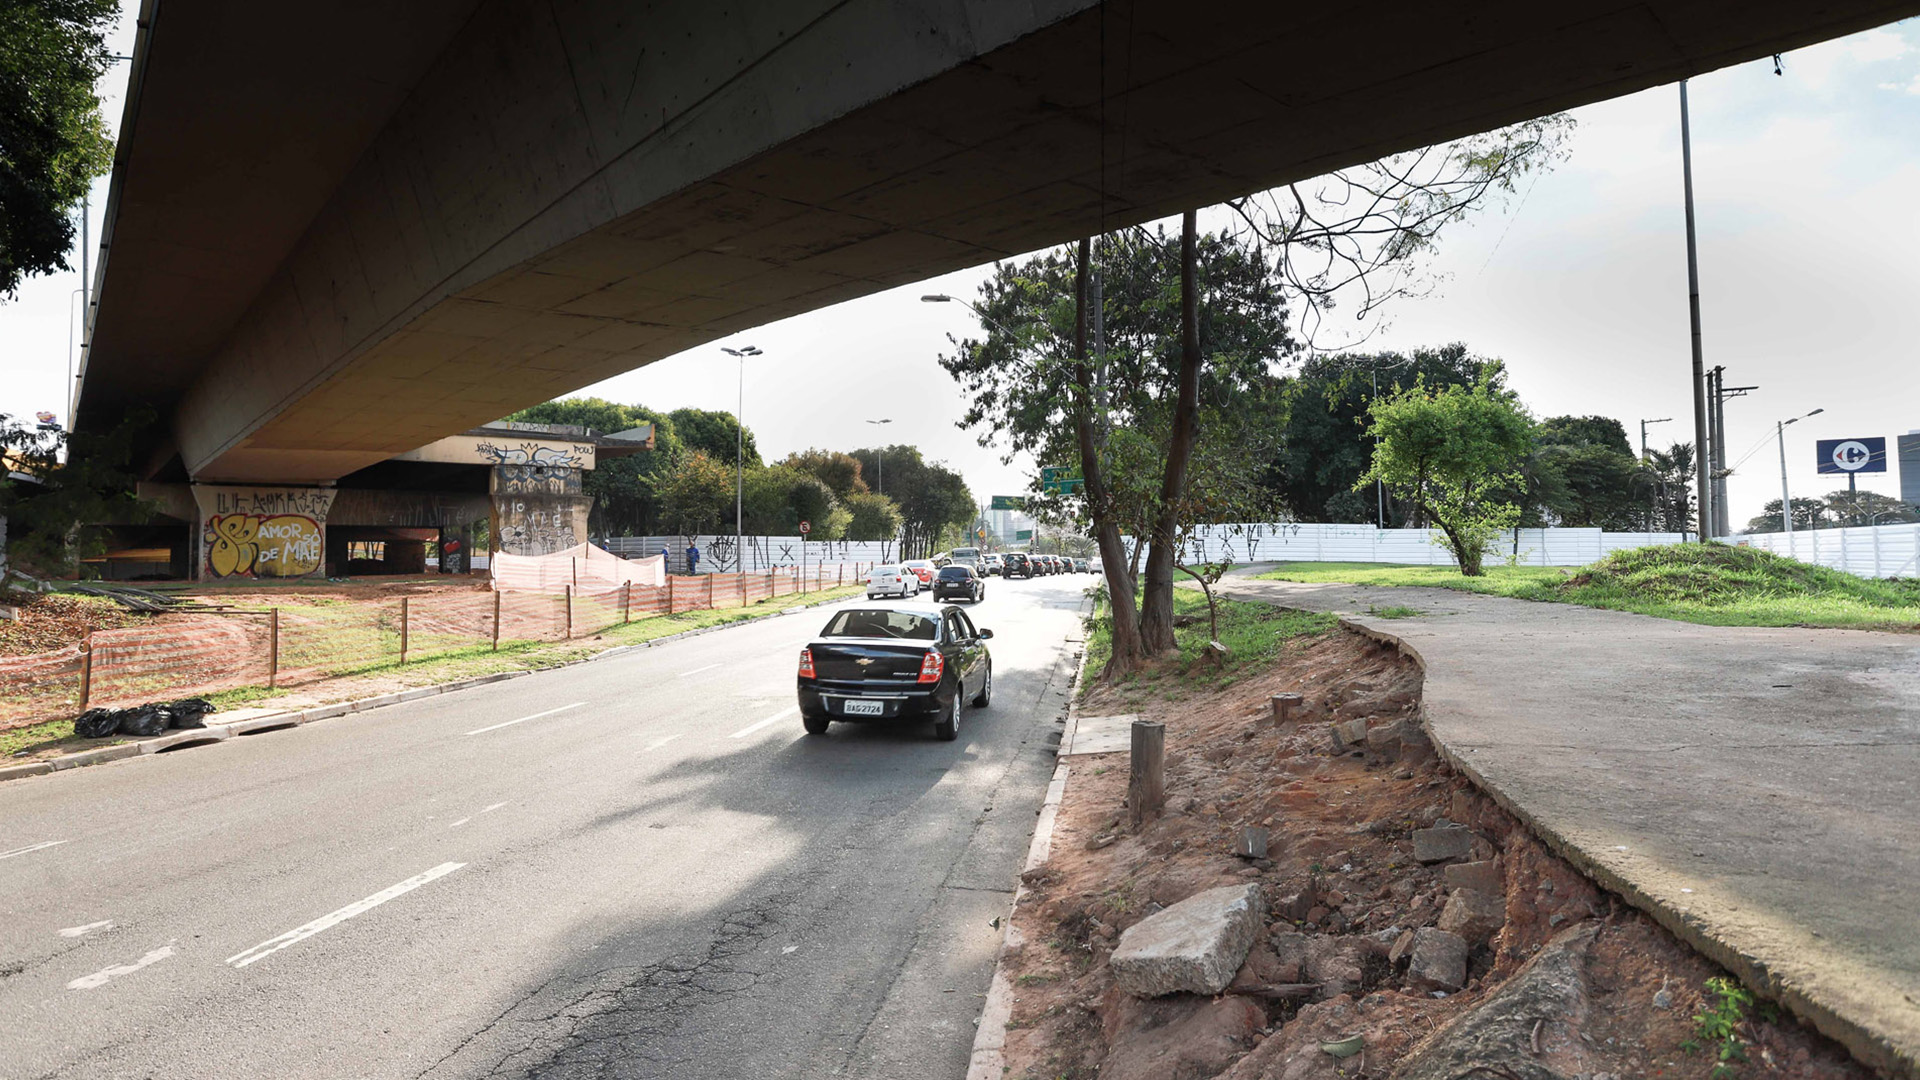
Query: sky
{"type": "Point", "coordinates": [1808, 231]}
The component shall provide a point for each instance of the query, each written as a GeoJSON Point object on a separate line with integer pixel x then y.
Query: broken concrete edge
{"type": "Point", "coordinates": [292, 718]}
{"type": "Point", "coordinates": [1874, 1050]}
{"type": "Point", "coordinates": [988, 1058]}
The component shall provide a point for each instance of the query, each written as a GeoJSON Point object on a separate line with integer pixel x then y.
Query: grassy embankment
{"type": "Point", "coordinates": [1713, 584]}
{"type": "Point", "coordinates": [386, 675]}
{"type": "Point", "coordinates": [1254, 634]}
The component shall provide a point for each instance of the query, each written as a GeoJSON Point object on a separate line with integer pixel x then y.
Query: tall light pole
{"type": "Point", "coordinates": [1786, 501]}
{"type": "Point", "coordinates": [1643, 461]}
{"type": "Point", "coordinates": [740, 458]}
{"type": "Point", "coordinates": [880, 456]}
{"type": "Point", "coordinates": [1379, 486]}
{"type": "Point", "coordinates": [1702, 468]}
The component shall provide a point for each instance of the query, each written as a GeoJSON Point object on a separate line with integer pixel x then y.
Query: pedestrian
{"type": "Point", "coordinates": [693, 559]}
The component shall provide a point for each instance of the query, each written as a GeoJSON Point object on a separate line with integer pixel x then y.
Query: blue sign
{"type": "Point", "coordinates": [1852, 455]}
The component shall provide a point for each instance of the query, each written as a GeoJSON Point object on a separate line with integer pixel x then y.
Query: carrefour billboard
{"type": "Point", "coordinates": [1852, 455]}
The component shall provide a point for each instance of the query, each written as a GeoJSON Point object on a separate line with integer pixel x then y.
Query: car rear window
{"type": "Point", "coordinates": [881, 623]}
{"type": "Point", "coordinates": [955, 573]}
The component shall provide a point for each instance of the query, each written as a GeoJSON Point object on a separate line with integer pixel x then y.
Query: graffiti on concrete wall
{"type": "Point", "coordinates": [276, 546]}
{"type": "Point", "coordinates": [541, 526]}
{"type": "Point", "coordinates": [536, 480]}
{"type": "Point", "coordinates": [534, 454]}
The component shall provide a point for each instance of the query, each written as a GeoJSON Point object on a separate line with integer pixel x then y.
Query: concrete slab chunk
{"type": "Point", "coordinates": [1439, 845]}
{"type": "Point", "coordinates": [1484, 876]}
{"type": "Point", "coordinates": [1437, 961]}
{"type": "Point", "coordinates": [1193, 947]}
{"type": "Point", "coordinates": [1473, 915]}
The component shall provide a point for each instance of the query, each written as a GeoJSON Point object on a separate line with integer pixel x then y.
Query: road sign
{"type": "Point", "coordinates": [1008, 502]}
{"type": "Point", "coordinates": [1061, 479]}
{"type": "Point", "coordinates": [1023, 534]}
{"type": "Point", "coordinates": [806, 527]}
{"type": "Point", "coordinates": [1851, 455]}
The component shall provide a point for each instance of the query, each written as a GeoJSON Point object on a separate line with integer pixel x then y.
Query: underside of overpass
{"type": "Point", "coordinates": [338, 233]}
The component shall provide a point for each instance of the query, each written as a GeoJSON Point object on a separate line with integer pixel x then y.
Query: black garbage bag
{"type": "Point", "coordinates": [189, 713]}
{"type": "Point", "coordinates": [96, 723]}
{"type": "Point", "coordinates": [144, 720]}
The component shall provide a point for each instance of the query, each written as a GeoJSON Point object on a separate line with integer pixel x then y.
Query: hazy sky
{"type": "Point", "coordinates": [1810, 288]}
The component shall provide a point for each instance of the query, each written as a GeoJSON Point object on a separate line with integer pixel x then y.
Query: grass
{"type": "Point", "coordinates": [1714, 584]}
{"type": "Point", "coordinates": [1253, 633]}
{"type": "Point", "coordinates": [1395, 611]}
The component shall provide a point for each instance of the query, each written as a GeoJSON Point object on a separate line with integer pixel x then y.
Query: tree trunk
{"type": "Point", "coordinates": [1156, 604]}
{"type": "Point", "coordinates": [1127, 652]}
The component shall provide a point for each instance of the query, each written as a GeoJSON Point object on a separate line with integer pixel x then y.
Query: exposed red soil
{"type": "Point", "coordinates": [57, 620]}
{"type": "Point", "coordinates": [1341, 888]}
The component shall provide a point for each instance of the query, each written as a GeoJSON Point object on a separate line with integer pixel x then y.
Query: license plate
{"type": "Point", "coordinates": [856, 707]}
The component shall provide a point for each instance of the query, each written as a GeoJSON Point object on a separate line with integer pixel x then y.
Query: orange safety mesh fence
{"type": "Point", "coordinates": [322, 637]}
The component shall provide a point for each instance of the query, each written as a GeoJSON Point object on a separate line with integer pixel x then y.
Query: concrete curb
{"type": "Point", "coordinates": [213, 733]}
{"type": "Point", "coordinates": [988, 1059]}
{"type": "Point", "coordinates": [1870, 1048]}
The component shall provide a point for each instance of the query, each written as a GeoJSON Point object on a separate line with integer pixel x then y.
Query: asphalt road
{"type": "Point", "coordinates": [634, 867]}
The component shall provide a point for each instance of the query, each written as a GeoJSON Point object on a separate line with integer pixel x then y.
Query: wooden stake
{"type": "Point", "coordinates": [626, 602]}
{"type": "Point", "coordinates": [403, 628]}
{"type": "Point", "coordinates": [86, 672]}
{"type": "Point", "coordinates": [496, 620]}
{"type": "Point", "coordinates": [273, 647]}
{"type": "Point", "coordinates": [1147, 781]}
{"type": "Point", "coordinates": [569, 612]}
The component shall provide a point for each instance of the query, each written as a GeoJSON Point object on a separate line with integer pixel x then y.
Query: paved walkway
{"type": "Point", "coordinates": [1757, 790]}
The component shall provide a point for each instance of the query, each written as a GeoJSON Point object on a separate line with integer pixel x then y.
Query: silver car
{"type": "Point", "coordinates": [892, 581]}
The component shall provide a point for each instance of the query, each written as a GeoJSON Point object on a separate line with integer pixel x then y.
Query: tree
{"type": "Point", "coordinates": [696, 495]}
{"type": "Point", "coordinates": [871, 517]}
{"type": "Point", "coordinates": [840, 471]}
{"type": "Point", "coordinates": [1807, 515]}
{"type": "Point", "coordinates": [52, 483]}
{"type": "Point", "coordinates": [716, 434]}
{"type": "Point", "coordinates": [1598, 481]}
{"type": "Point", "coordinates": [53, 142]}
{"type": "Point", "coordinates": [1323, 445]}
{"type": "Point", "coordinates": [930, 496]}
{"type": "Point", "coordinates": [1668, 479]}
{"type": "Point", "coordinates": [1851, 508]}
{"type": "Point", "coordinates": [625, 490]}
{"type": "Point", "coordinates": [1450, 452]}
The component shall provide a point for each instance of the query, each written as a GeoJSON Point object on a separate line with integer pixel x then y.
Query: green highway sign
{"type": "Point", "coordinates": [1061, 479]}
{"type": "Point", "coordinates": [1023, 534]}
{"type": "Point", "coordinates": [1008, 502]}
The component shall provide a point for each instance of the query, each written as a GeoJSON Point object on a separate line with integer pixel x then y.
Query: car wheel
{"type": "Point", "coordinates": [815, 723]}
{"type": "Point", "coordinates": [985, 696]}
{"type": "Point", "coordinates": [947, 728]}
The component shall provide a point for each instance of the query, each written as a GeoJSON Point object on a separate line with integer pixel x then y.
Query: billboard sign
{"type": "Point", "coordinates": [1852, 455]}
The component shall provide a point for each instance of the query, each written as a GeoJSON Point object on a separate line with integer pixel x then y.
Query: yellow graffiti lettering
{"type": "Point", "coordinates": [283, 545]}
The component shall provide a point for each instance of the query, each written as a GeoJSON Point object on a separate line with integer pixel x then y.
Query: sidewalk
{"type": "Point", "coordinates": [1756, 790]}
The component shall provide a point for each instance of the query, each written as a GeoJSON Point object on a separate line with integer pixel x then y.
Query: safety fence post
{"type": "Point", "coordinates": [669, 594]}
{"type": "Point", "coordinates": [273, 647]}
{"type": "Point", "coordinates": [569, 589]}
{"type": "Point", "coordinates": [86, 671]}
{"type": "Point", "coordinates": [741, 582]}
{"type": "Point", "coordinates": [709, 592]}
{"type": "Point", "coordinates": [626, 602]}
{"type": "Point", "coordinates": [403, 628]}
{"type": "Point", "coordinates": [496, 620]}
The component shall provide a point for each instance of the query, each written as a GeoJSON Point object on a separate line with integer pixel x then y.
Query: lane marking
{"type": "Point", "coordinates": [491, 809]}
{"type": "Point", "coordinates": [774, 719]}
{"type": "Point", "coordinates": [658, 743]}
{"type": "Point", "coordinates": [301, 933]}
{"type": "Point", "coordinates": [81, 931]}
{"type": "Point", "coordinates": [31, 847]}
{"type": "Point", "coordinates": [459, 823]}
{"type": "Point", "coordinates": [524, 719]}
{"type": "Point", "coordinates": [488, 810]}
{"type": "Point", "coordinates": [698, 670]}
{"type": "Point", "coordinates": [102, 978]}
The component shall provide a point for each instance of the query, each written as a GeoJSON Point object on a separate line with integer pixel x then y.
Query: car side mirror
{"type": "Point", "coordinates": [985, 634]}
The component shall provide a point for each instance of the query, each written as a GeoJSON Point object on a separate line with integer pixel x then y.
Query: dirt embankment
{"type": "Point", "coordinates": [1560, 978]}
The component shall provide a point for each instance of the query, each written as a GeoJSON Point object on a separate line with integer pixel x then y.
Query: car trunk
{"type": "Point", "coordinates": [886, 660]}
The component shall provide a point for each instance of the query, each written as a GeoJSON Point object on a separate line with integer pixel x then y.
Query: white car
{"type": "Point", "coordinates": [892, 581]}
{"type": "Point", "coordinates": [990, 563]}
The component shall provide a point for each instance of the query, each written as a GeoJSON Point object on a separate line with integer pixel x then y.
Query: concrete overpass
{"type": "Point", "coordinates": [338, 233]}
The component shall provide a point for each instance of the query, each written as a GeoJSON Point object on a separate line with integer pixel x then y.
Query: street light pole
{"type": "Point", "coordinates": [740, 458]}
{"type": "Point", "coordinates": [1702, 468]}
{"type": "Point", "coordinates": [1786, 500]}
{"type": "Point", "coordinates": [880, 458]}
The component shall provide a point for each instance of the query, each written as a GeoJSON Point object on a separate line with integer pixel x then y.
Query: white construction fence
{"type": "Point", "coordinates": [1290, 541]}
{"type": "Point", "coordinates": [1877, 551]}
{"type": "Point", "coordinates": [763, 553]}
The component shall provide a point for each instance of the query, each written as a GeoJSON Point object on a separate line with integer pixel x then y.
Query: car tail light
{"type": "Point", "coordinates": [806, 664]}
{"type": "Point", "coordinates": [932, 667]}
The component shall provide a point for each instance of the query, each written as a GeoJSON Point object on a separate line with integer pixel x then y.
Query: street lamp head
{"type": "Point", "coordinates": [935, 298]}
{"type": "Point", "coordinates": [744, 350]}
{"type": "Point", "coordinates": [1816, 412]}
{"type": "Point", "coordinates": [888, 421]}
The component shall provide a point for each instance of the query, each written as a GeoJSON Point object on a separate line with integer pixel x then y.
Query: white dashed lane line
{"type": "Point", "coordinates": [102, 978]}
{"type": "Point", "coordinates": [524, 719]}
{"type": "Point", "coordinates": [359, 907]}
{"type": "Point", "coordinates": [658, 743]}
{"type": "Point", "coordinates": [698, 670]}
{"type": "Point", "coordinates": [41, 846]}
{"type": "Point", "coordinates": [774, 719]}
{"type": "Point", "coordinates": [82, 931]}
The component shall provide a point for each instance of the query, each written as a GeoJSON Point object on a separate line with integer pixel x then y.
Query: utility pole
{"type": "Point", "coordinates": [1704, 489]}
{"type": "Point", "coordinates": [1653, 499]}
{"type": "Point", "coordinates": [1718, 394]}
{"type": "Point", "coordinates": [1786, 500]}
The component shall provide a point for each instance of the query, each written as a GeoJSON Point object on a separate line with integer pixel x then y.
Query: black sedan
{"type": "Point", "coordinates": [903, 662]}
{"type": "Point", "coordinates": [958, 581]}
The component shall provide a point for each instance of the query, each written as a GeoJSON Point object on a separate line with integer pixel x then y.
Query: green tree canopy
{"type": "Point", "coordinates": [696, 495]}
{"type": "Point", "coordinates": [930, 496]}
{"type": "Point", "coordinates": [872, 517]}
{"type": "Point", "coordinates": [54, 482]}
{"type": "Point", "coordinates": [53, 141]}
{"type": "Point", "coordinates": [715, 434]}
{"type": "Point", "coordinates": [840, 471]}
{"type": "Point", "coordinates": [1451, 452]}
